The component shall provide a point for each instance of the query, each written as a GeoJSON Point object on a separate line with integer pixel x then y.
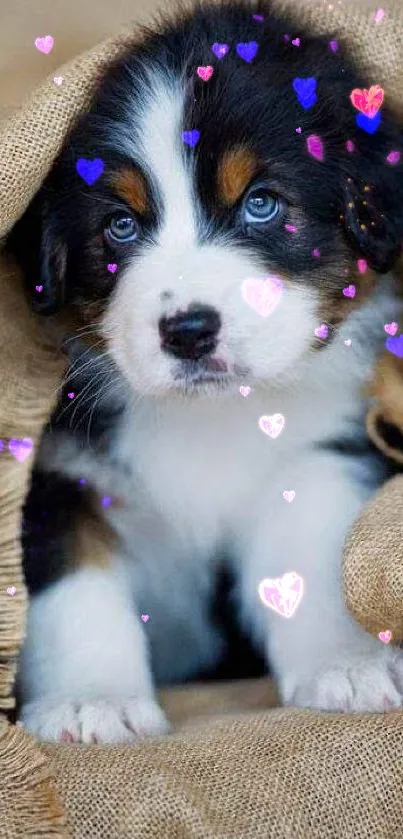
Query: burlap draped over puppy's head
{"type": "Point", "coordinates": [277, 774]}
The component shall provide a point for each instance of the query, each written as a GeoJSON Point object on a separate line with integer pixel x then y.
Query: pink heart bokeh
{"type": "Point", "coordinates": [391, 328]}
{"type": "Point", "coordinates": [21, 449]}
{"type": "Point", "coordinates": [44, 44]}
{"type": "Point", "coordinates": [385, 636]}
{"type": "Point", "coordinates": [272, 425]}
{"type": "Point", "coordinates": [262, 295]}
{"type": "Point", "coordinates": [289, 495]}
{"type": "Point", "coordinates": [282, 594]}
{"type": "Point", "coordinates": [205, 73]}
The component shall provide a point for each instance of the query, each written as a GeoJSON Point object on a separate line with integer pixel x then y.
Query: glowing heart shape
{"type": "Point", "coordinates": [44, 44]}
{"type": "Point", "coordinates": [220, 50]}
{"type": "Point", "coordinates": [247, 51]}
{"type": "Point", "coordinates": [11, 590]}
{"type": "Point", "coordinates": [393, 157]}
{"type": "Point", "coordinates": [289, 495]}
{"type": "Point", "coordinates": [385, 636]}
{"type": "Point", "coordinates": [205, 73]}
{"type": "Point", "coordinates": [145, 618]}
{"type": "Point", "coordinates": [20, 449]}
{"type": "Point", "coordinates": [322, 331]}
{"type": "Point", "coordinates": [315, 146]}
{"type": "Point", "coordinates": [112, 267]}
{"type": "Point", "coordinates": [395, 346]}
{"type": "Point", "coordinates": [58, 80]}
{"type": "Point", "coordinates": [391, 328]}
{"type": "Point", "coordinates": [368, 101]}
{"type": "Point", "coordinates": [90, 170]}
{"type": "Point", "coordinates": [245, 391]}
{"type": "Point", "coordinates": [272, 425]}
{"type": "Point", "coordinates": [349, 291]}
{"type": "Point", "coordinates": [282, 594]}
{"type": "Point", "coordinates": [191, 138]}
{"type": "Point", "coordinates": [262, 295]}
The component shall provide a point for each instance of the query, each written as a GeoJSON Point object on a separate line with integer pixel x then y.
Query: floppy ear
{"type": "Point", "coordinates": [373, 195]}
{"type": "Point", "coordinates": [42, 256]}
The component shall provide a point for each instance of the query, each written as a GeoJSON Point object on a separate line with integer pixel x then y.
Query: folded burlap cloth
{"type": "Point", "coordinates": [277, 773]}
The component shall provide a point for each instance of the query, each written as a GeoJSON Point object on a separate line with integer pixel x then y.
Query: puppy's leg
{"type": "Point", "coordinates": [84, 672]}
{"type": "Point", "coordinates": [322, 658]}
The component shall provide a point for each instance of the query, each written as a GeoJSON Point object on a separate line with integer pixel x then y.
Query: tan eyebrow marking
{"type": "Point", "coordinates": [235, 170]}
{"type": "Point", "coordinates": [129, 184]}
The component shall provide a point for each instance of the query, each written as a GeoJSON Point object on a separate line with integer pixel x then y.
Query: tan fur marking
{"type": "Point", "coordinates": [235, 170]}
{"type": "Point", "coordinates": [129, 185]}
{"type": "Point", "coordinates": [92, 542]}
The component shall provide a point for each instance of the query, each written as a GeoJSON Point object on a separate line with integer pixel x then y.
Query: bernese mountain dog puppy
{"type": "Point", "coordinates": [223, 220]}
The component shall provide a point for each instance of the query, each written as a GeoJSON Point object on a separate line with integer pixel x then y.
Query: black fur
{"type": "Point", "coordinates": [253, 102]}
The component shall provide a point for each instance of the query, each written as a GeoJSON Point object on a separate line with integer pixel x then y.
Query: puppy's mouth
{"type": "Point", "coordinates": [192, 375]}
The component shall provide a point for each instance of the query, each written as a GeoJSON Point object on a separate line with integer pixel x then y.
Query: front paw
{"type": "Point", "coordinates": [354, 684]}
{"type": "Point", "coordinates": [99, 721]}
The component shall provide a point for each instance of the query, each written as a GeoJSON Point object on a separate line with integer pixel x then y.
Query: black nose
{"type": "Point", "coordinates": [191, 334]}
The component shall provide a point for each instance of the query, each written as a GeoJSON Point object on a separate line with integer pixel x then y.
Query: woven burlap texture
{"type": "Point", "coordinates": [281, 774]}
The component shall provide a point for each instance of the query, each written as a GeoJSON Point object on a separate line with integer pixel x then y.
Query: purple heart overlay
{"type": "Point", "coordinates": [191, 137]}
{"type": "Point", "coordinates": [20, 449]}
{"type": "Point", "coordinates": [220, 50]}
{"type": "Point", "coordinates": [395, 345]}
{"type": "Point", "coordinates": [90, 170]}
{"type": "Point", "coordinates": [247, 51]}
{"type": "Point", "coordinates": [306, 91]}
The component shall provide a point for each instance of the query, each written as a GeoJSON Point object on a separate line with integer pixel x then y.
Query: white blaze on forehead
{"type": "Point", "coordinates": [158, 146]}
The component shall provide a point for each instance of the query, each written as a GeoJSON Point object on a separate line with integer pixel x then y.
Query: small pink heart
{"type": "Point", "coordinates": [44, 44]}
{"type": "Point", "coordinates": [316, 252]}
{"type": "Point", "coordinates": [350, 146]}
{"type": "Point", "coordinates": [282, 594]}
{"type": "Point", "coordinates": [391, 328]}
{"type": "Point", "coordinates": [362, 265]}
{"type": "Point", "coordinates": [71, 395]}
{"type": "Point", "coordinates": [11, 590]}
{"type": "Point", "coordinates": [322, 331]}
{"type": "Point", "coordinates": [39, 288]}
{"type": "Point", "coordinates": [145, 618]}
{"type": "Point", "coordinates": [205, 73]}
{"type": "Point", "coordinates": [20, 448]}
{"type": "Point", "coordinates": [58, 80]}
{"type": "Point", "coordinates": [315, 146]}
{"type": "Point", "coordinates": [385, 636]}
{"type": "Point", "coordinates": [245, 391]}
{"type": "Point", "coordinates": [290, 227]}
{"type": "Point", "coordinates": [298, 130]}
{"type": "Point", "coordinates": [393, 157]}
{"type": "Point", "coordinates": [289, 495]}
{"type": "Point", "coordinates": [349, 291]}
{"type": "Point", "coordinates": [262, 295]}
{"type": "Point", "coordinates": [112, 267]}
{"type": "Point", "coordinates": [334, 45]}
{"type": "Point", "coordinates": [296, 42]}
{"type": "Point", "coordinates": [272, 425]}
{"type": "Point", "coordinates": [348, 342]}
{"type": "Point", "coordinates": [379, 15]}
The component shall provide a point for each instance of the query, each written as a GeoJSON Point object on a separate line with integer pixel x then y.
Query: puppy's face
{"type": "Point", "coordinates": [232, 205]}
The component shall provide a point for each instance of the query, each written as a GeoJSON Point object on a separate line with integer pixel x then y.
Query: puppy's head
{"type": "Point", "coordinates": [213, 203]}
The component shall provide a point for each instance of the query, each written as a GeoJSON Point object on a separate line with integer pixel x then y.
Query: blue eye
{"type": "Point", "coordinates": [122, 228]}
{"type": "Point", "coordinates": [260, 206]}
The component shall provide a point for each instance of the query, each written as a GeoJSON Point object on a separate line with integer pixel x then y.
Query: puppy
{"type": "Point", "coordinates": [225, 230]}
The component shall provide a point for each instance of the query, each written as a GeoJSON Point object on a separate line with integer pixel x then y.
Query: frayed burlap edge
{"type": "Point", "coordinates": [29, 803]}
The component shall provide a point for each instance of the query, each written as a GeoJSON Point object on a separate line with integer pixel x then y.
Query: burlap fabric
{"type": "Point", "coordinates": [274, 774]}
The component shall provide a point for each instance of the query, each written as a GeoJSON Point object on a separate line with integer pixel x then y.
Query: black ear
{"type": "Point", "coordinates": [373, 196]}
{"type": "Point", "coordinates": [42, 255]}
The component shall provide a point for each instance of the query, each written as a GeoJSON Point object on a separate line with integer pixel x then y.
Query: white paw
{"type": "Point", "coordinates": [357, 684]}
{"type": "Point", "coordinates": [99, 721]}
